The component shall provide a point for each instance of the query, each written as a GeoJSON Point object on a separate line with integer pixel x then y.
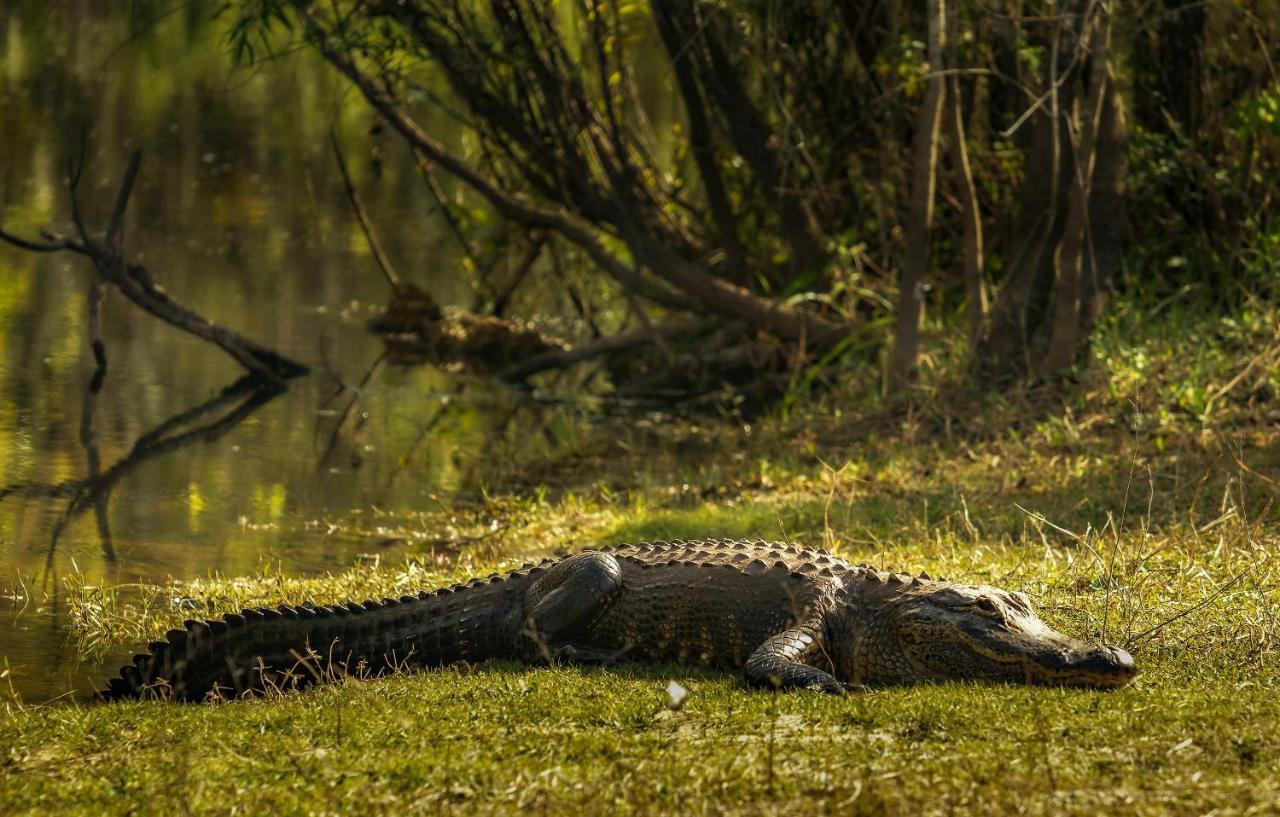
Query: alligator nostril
{"type": "Point", "coordinates": [1122, 659]}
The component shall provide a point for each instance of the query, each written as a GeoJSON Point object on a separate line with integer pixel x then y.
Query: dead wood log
{"type": "Point", "coordinates": [416, 330]}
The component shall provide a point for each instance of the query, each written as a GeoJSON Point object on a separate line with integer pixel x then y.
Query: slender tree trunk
{"type": "Point", "coordinates": [1108, 209]}
{"type": "Point", "coordinates": [915, 261]}
{"type": "Point", "coordinates": [975, 284]}
{"type": "Point", "coordinates": [1013, 337]}
{"type": "Point", "coordinates": [1064, 340]}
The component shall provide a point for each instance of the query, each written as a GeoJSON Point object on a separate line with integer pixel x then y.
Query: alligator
{"type": "Point", "coordinates": [784, 616]}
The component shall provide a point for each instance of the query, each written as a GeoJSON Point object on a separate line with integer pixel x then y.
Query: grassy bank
{"type": "Point", "coordinates": [1139, 510]}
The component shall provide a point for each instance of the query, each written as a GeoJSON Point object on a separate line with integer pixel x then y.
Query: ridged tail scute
{"type": "Point", "coordinates": [263, 649]}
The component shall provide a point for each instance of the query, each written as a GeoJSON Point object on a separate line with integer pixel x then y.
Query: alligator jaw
{"type": "Point", "coordinates": [1101, 668]}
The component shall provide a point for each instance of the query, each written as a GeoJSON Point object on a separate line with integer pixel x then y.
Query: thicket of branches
{"type": "Point", "coordinates": [841, 174]}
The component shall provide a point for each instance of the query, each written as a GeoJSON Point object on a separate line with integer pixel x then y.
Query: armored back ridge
{"type": "Point", "coordinates": [785, 616]}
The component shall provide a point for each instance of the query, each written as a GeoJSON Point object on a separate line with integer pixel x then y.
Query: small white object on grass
{"type": "Point", "coordinates": [676, 695]}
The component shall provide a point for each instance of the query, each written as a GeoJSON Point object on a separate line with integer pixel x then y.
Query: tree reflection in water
{"type": "Point", "coordinates": [206, 422]}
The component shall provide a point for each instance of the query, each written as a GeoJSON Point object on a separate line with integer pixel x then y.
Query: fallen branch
{"type": "Point", "coordinates": [136, 284]}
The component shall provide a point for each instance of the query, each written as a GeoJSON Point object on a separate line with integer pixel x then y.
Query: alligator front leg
{"type": "Point", "coordinates": [562, 604]}
{"type": "Point", "coordinates": [781, 662]}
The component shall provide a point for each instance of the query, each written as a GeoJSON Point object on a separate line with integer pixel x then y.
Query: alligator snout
{"type": "Point", "coordinates": [1116, 664]}
{"type": "Point", "coordinates": [1098, 668]}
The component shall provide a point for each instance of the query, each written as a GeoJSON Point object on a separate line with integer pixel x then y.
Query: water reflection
{"type": "Point", "coordinates": [165, 470]}
{"type": "Point", "coordinates": [228, 409]}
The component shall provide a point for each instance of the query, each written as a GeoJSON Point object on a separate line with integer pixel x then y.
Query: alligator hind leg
{"type": "Point", "coordinates": [563, 603]}
{"type": "Point", "coordinates": [780, 663]}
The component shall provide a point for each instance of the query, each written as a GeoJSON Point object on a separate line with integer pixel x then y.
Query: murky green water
{"type": "Point", "coordinates": [240, 214]}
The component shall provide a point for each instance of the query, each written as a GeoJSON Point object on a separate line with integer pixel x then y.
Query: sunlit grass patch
{"type": "Point", "coordinates": [508, 739]}
{"type": "Point", "coordinates": [1145, 523]}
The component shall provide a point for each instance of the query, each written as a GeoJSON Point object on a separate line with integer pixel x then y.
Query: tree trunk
{"type": "Point", "coordinates": [975, 284]}
{"type": "Point", "coordinates": [1064, 340]}
{"type": "Point", "coordinates": [1108, 205]}
{"type": "Point", "coordinates": [1172, 57]}
{"type": "Point", "coordinates": [915, 261]}
{"type": "Point", "coordinates": [1009, 345]}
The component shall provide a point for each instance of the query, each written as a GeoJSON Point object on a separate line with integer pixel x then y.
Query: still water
{"type": "Point", "coordinates": [240, 214]}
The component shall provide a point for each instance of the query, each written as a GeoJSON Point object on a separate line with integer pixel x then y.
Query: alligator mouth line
{"type": "Point", "coordinates": [1037, 673]}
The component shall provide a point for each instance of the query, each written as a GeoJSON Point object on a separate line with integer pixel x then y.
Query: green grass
{"type": "Point", "coordinates": [1140, 511]}
{"type": "Point", "coordinates": [507, 739]}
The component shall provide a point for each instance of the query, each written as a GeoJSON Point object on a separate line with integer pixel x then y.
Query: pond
{"type": "Point", "coordinates": [239, 212]}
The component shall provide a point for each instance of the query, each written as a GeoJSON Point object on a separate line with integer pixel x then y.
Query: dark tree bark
{"type": "Point", "coordinates": [1071, 252]}
{"type": "Point", "coordinates": [919, 226]}
{"type": "Point", "coordinates": [1108, 211]}
{"type": "Point", "coordinates": [136, 284]}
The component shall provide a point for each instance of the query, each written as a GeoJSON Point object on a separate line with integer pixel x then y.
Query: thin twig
{"type": "Point", "coordinates": [1239, 577]}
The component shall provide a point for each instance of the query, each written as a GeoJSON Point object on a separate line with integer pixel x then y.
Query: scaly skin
{"type": "Point", "coordinates": [784, 616]}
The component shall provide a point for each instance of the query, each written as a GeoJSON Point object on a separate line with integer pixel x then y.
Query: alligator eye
{"type": "Point", "coordinates": [986, 606]}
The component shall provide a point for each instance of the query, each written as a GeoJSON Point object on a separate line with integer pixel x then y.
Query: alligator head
{"type": "Point", "coordinates": [935, 631]}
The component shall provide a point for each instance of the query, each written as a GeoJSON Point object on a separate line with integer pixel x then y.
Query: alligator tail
{"type": "Point", "coordinates": [294, 646]}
